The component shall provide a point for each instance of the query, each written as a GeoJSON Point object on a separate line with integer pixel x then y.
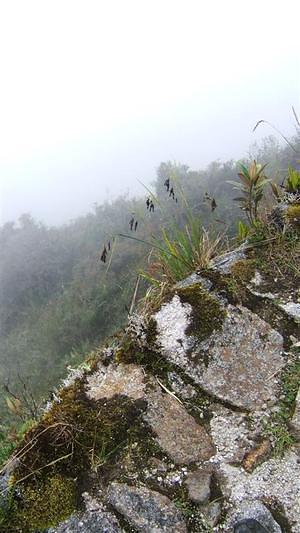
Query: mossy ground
{"type": "Point", "coordinates": [293, 215]}
{"type": "Point", "coordinates": [207, 313]}
{"type": "Point", "coordinates": [147, 353]}
{"type": "Point", "coordinates": [279, 264]}
{"type": "Point", "coordinates": [278, 427]}
{"type": "Point", "coordinates": [75, 437]}
{"type": "Point", "coordinates": [45, 504]}
{"type": "Point", "coordinates": [108, 438]}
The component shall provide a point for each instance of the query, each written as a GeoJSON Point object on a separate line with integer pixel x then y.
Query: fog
{"type": "Point", "coordinates": [94, 95]}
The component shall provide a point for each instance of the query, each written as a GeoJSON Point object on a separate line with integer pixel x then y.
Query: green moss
{"type": "Point", "coordinates": [151, 333]}
{"type": "Point", "coordinates": [148, 355]}
{"type": "Point", "coordinates": [207, 313]}
{"type": "Point", "coordinates": [293, 214]}
{"type": "Point", "coordinates": [150, 359]}
{"type": "Point", "coordinates": [77, 432]}
{"type": "Point", "coordinates": [278, 426]}
{"type": "Point", "coordinates": [45, 504]}
{"type": "Point", "coordinates": [75, 437]}
{"type": "Point", "coordinates": [243, 270]}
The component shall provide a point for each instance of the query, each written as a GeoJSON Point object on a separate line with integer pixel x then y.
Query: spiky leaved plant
{"type": "Point", "coordinates": [251, 185]}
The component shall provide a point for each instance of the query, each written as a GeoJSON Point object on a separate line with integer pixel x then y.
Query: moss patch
{"type": "Point", "coordinates": [45, 504]}
{"type": "Point", "coordinates": [146, 354]}
{"type": "Point", "coordinates": [278, 427]}
{"type": "Point", "coordinates": [75, 437]}
{"type": "Point", "coordinates": [279, 264]}
{"type": "Point", "coordinates": [243, 270]}
{"type": "Point", "coordinates": [207, 313]}
{"type": "Point", "coordinates": [293, 214]}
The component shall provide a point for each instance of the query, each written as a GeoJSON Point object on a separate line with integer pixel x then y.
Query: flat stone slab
{"type": "Point", "coordinates": [116, 379]}
{"type": "Point", "coordinates": [224, 262]}
{"type": "Point", "coordinates": [255, 510]}
{"type": "Point", "coordinates": [177, 432]}
{"type": "Point", "coordinates": [198, 485]}
{"type": "Point", "coordinates": [292, 309]}
{"type": "Point", "coordinates": [89, 522]}
{"type": "Point", "coordinates": [230, 434]}
{"type": "Point", "coordinates": [239, 364]}
{"type": "Point", "coordinates": [275, 480]}
{"type": "Point", "coordinates": [244, 360]}
{"type": "Point", "coordinates": [145, 509]}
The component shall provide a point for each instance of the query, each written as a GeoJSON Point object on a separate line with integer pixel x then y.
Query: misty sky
{"type": "Point", "coordinates": [95, 94]}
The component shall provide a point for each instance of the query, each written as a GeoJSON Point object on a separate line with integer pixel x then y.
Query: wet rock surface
{"type": "Point", "coordinates": [177, 432]}
{"type": "Point", "coordinates": [145, 509]}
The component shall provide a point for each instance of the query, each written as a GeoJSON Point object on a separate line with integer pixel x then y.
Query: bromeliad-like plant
{"type": "Point", "coordinates": [292, 184]}
{"type": "Point", "coordinates": [251, 185]}
{"type": "Point", "coordinates": [289, 190]}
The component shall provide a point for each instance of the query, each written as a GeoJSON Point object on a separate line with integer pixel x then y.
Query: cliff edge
{"type": "Point", "coordinates": [187, 421]}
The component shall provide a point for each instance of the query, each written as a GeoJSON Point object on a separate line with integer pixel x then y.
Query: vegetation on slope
{"type": "Point", "coordinates": [58, 299]}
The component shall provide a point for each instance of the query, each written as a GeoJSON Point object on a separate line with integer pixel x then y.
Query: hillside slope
{"type": "Point", "coordinates": [186, 421]}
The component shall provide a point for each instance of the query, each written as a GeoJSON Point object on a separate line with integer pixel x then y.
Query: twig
{"type": "Point", "coordinates": [168, 391]}
{"type": "Point", "coordinates": [134, 294]}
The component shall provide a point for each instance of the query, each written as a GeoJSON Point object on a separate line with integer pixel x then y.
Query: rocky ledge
{"type": "Point", "coordinates": [187, 422]}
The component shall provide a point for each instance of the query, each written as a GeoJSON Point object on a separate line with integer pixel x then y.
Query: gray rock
{"type": "Point", "coordinates": [224, 262]}
{"type": "Point", "coordinates": [107, 382]}
{"type": "Point", "coordinates": [257, 511]}
{"type": "Point", "coordinates": [198, 485]}
{"type": "Point", "coordinates": [239, 364]}
{"type": "Point", "coordinates": [295, 422]}
{"type": "Point", "coordinates": [212, 513]}
{"type": "Point", "coordinates": [177, 432]}
{"type": "Point", "coordinates": [89, 522]}
{"type": "Point", "coordinates": [172, 321]}
{"type": "Point", "coordinates": [146, 510]}
{"type": "Point", "coordinates": [276, 480]}
{"type": "Point", "coordinates": [4, 478]}
{"type": "Point", "coordinates": [292, 309]}
{"type": "Point", "coordinates": [193, 279]}
{"type": "Point", "coordinates": [230, 434]}
{"type": "Point", "coordinates": [244, 360]}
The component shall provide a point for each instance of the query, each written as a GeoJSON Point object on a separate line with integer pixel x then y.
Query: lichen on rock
{"type": "Point", "coordinates": [106, 382]}
{"type": "Point", "coordinates": [145, 509]}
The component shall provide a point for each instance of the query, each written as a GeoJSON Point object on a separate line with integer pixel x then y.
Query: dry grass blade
{"type": "Point", "coordinates": [134, 294]}
{"type": "Point", "coordinates": [55, 461]}
{"type": "Point", "coordinates": [168, 391]}
{"type": "Point", "coordinates": [296, 116]}
{"type": "Point", "coordinates": [262, 121]}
